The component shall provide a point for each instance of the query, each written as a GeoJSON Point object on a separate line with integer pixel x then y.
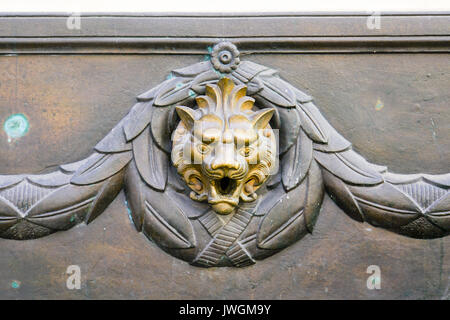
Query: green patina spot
{"type": "Point", "coordinates": [16, 125]}
{"type": "Point", "coordinates": [15, 284]}
{"type": "Point", "coordinates": [379, 105]}
{"type": "Point", "coordinates": [192, 93]}
{"type": "Point", "coordinates": [72, 218]}
{"type": "Point", "coordinates": [170, 76]}
{"type": "Point", "coordinates": [129, 212]}
{"type": "Point", "coordinates": [220, 74]}
{"type": "Point", "coordinates": [208, 56]}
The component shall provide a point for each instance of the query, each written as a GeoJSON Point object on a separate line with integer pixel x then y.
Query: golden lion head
{"type": "Point", "coordinates": [224, 150]}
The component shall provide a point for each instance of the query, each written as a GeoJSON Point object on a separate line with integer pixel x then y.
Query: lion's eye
{"type": "Point", "coordinates": [202, 148]}
{"type": "Point", "coordinates": [246, 151]}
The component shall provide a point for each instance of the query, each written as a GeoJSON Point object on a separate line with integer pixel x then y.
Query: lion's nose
{"type": "Point", "coordinates": [224, 165]}
{"type": "Point", "coordinates": [225, 158]}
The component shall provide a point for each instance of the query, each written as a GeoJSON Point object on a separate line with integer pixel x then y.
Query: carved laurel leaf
{"type": "Point", "coordinates": [248, 70]}
{"type": "Point", "coordinates": [290, 128]}
{"type": "Point", "coordinates": [296, 162]}
{"type": "Point", "coordinates": [326, 138]}
{"type": "Point", "coordinates": [301, 96]}
{"type": "Point", "coordinates": [138, 118]}
{"type": "Point", "coordinates": [378, 195]}
{"type": "Point", "coordinates": [73, 166]}
{"type": "Point", "coordinates": [254, 86]}
{"type": "Point", "coordinates": [289, 117]}
{"type": "Point", "coordinates": [349, 167]}
{"type": "Point", "coordinates": [173, 91]}
{"type": "Point", "coordinates": [100, 167]}
{"type": "Point", "coordinates": [63, 208]}
{"type": "Point", "coordinates": [105, 196]}
{"type": "Point", "coordinates": [193, 70]}
{"type": "Point", "coordinates": [199, 83]}
{"type": "Point", "coordinates": [379, 212]}
{"type": "Point", "coordinates": [7, 222]}
{"type": "Point", "coordinates": [151, 162]}
{"type": "Point", "coordinates": [9, 180]}
{"type": "Point", "coordinates": [277, 91]}
{"type": "Point", "coordinates": [441, 220]}
{"type": "Point", "coordinates": [336, 143]}
{"type": "Point", "coordinates": [441, 207]}
{"type": "Point", "coordinates": [402, 206]}
{"type": "Point", "coordinates": [160, 128]}
{"type": "Point", "coordinates": [442, 180]}
{"type": "Point", "coordinates": [53, 179]}
{"type": "Point", "coordinates": [7, 210]}
{"type": "Point", "coordinates": [71, 204]}
{"type": "Point", "coordinates": [285, 222]}
{"type": "Point", "coordinates": [161, 227]}
{"type": "Point", "coordinates": [151, 94]}
{"type": "Point", "coordinates": [69, 196]}
{"type": "Point", "coordinates": [156, 214]}
{"type": "Point", "coordinates": [62, 220]}
{"type": "Point", "coordinates": [373, 203]}
{"type": "Point", "coordinates": [41, 204]}
{"type": "Point", "coordinates": [134, 190]}
{"type": "Point", "coordinates": [314, 196]}
{"type": "Point", "coordinates": [340, 193]}
{"type": "Point", "coordinates": [115, 140]}
{"type": "Point", "coordinates": [313, 124]}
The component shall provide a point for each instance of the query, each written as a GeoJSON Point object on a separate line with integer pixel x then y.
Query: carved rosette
{"type": "Point", "coordinates": [225, 57]}
{"type": "Point", "coordinates": [313, 157]}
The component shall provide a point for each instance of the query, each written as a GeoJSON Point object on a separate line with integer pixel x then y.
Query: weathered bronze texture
{"type": "Point", "coordinates": [214, 149]}
{"type": "Point", "coordinates": [314, 159]}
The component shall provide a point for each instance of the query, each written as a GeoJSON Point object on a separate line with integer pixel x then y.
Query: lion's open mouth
{"type": "Point", "coordinates": [226, 186]}
{"type": "Point", "coordinates": [224, 195]}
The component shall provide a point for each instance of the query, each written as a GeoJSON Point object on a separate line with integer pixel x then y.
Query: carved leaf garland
{"type": "Point", "coordinates": [100, 167]}
{"type": "Point", "coordinates": [151, 162]}
{"type": "Point", "coordinates": [136, 152]}
{"type": "Point", "coordinates": [296, 162]}
{"type": "Point", "coordinates": [157, 215]}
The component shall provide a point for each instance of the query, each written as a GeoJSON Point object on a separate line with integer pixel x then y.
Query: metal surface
{"type": "Point", "coordinates": [328, 155]}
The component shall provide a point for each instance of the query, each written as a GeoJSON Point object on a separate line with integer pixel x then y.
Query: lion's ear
{"type": "Point", "coordinates": [187, 116]}
{"type": "Point", "coordinates": [261, 118]}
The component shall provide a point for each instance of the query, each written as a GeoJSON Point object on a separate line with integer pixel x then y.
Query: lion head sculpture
{"type": "Point", "coordinates": [224, 150]}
